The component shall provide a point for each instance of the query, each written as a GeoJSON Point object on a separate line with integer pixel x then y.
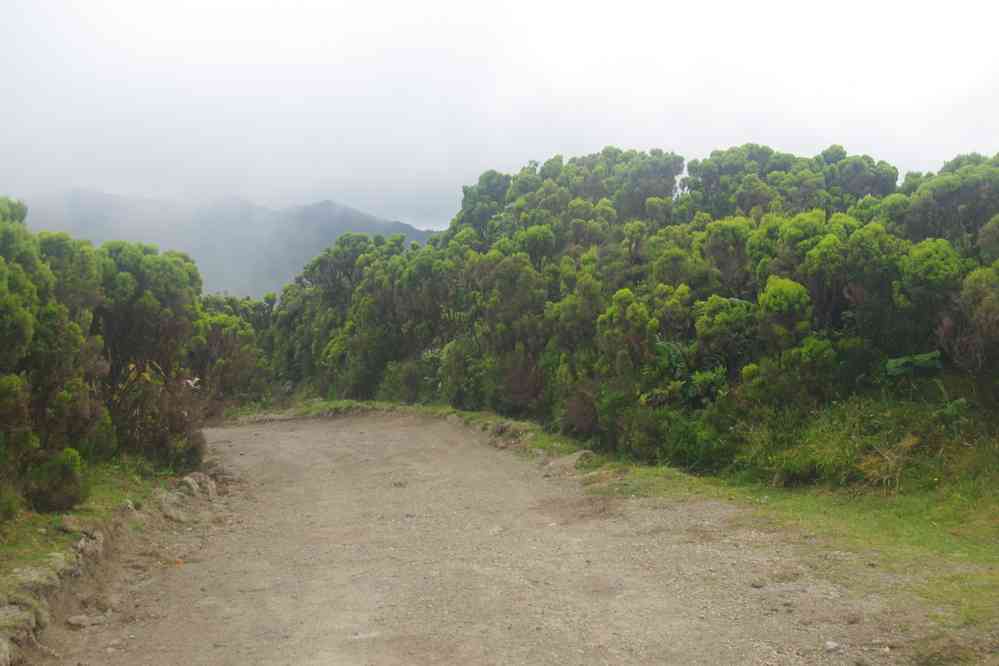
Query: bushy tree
{"type": "Point", "coordinates": [658, 313]}
{"type": "Point", "coordinates": [95, 358]}
{"type": "Point", "coordinates": [726, 329]}
{"type": "Point", "coordinates": [785, 312]}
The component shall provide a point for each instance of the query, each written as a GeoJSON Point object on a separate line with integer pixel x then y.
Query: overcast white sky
{"type": "Point", "coordinates": [392, 106]}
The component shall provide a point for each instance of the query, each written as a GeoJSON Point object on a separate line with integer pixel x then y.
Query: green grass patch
{"type": "Point", "coordinates": [551, 445]}
{"type": "Point", "coordinates": [945, 540]}
{"type": "Point", "coordinates": [31, 537]}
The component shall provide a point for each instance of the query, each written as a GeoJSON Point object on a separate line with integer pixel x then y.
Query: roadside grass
{"type": "Point", "coordinates": [944, 541]}
{"type": "Point", "coordinates": [32, 537]}
{"type": "Point", "coordinates": [942, 537]}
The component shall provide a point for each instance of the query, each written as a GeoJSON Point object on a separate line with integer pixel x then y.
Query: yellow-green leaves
{"type": "Point", "coordinates": [785, 312]}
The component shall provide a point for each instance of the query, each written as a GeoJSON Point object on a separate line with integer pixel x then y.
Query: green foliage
{"type": "Point", "coordinates": [930, 270]}
{"type": "Point", "coordinates": [988, 240]}
{"type": "Point", "coordinates": [882, 442]}
{"type": "Point", "coordinates": [149, 308]}
{"type": "Point", "coordinates": [672, 436]}
{"type": "Point", "coordinates": [661, 316]}
{"type": "Point", "coordinates": [58, 483]}
{"type": "Point", "coordinates": [12, 210]}
{"type": "Point", "coordinates": [225, 355]}
{"type": "Point", "coordinates": [726, 329]}
{"type": "Point", "coordinates": [98, 351]}
{"type": "Point", "coordinates": [756, 177]}
{"type": "Point", "coordinates": [785, 312]}
{"type": "Point", "coordinates": [737, 318]}
{"type": "Point", "coordinates": [10, 502]}
{"type": "Point", "coordinates": [101, 443]}
{"type": "Point", "coordinates": [805, 375]}
{"type": "Point", "coordinates": [158, 416]}
{"type": "Point", "coordinates": [954, 205]}
{"type": "Point", "coordinates": [726, 247]}
{"type": "Point", "coordinates": [460, 383]}
{"type": "Point", "coordinates": [411, 381]}
{"type": "Point", "coordinates": [624, 335]}
{"type": "Point", "coordinates": [909, 366]}
{"type": "Point", "coordinates": [710, 320]}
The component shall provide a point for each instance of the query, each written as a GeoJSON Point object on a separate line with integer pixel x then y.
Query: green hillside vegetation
{"type": "Point", "coordinates": [100, 346]}
{"type": "Point", "coordinates": [767, 317]}
{"type": "Point", "coordinates": [787, 319]}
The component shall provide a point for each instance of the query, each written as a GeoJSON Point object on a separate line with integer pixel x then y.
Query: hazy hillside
{"type": "Point", "coordinates": [300, 233]}
{"type": "Point", "coordinates": [240, 247]}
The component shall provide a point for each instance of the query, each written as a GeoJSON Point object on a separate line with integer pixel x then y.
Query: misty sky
{"type": "Point", "coordinates": [391, 106]}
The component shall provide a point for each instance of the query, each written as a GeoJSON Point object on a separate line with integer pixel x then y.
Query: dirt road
{"type": "Point", "coordinates": [407, 540]}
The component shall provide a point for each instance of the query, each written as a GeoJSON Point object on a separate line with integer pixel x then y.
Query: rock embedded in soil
{"type": "Point", "coordinates": [170, 506]}
{"type": "Point", "coordinates": [205, 484]}
{"type": "Point", "coordinates": [189, 486]}
{"type": "Point", "coordinates": [570, 463]}
{"type": "Point", "coordinates": [91, 545]}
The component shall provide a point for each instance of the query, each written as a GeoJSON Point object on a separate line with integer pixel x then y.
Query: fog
{"type": "Point", "coordinates": [390, 107]}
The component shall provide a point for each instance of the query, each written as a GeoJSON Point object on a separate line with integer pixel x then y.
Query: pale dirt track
{"type": "Point", "coordinates": [395, 539]}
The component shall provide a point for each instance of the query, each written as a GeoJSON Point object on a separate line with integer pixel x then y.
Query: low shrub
{"type": "Point", "coordinates": [674, 436]}
{"type": "Point", "coordinates": [690, 442]}
{"type": "Point", "coordinates": [879, 440]}
{"type": "Point", "coordinates": [465, 380]}
{"type": "Point", "coordinates": [580, 416]}
{"type": "Point", "coordinates": [160, 418]}
{"type": "Point", "coordinates": [101, 442]}
{"type": "Point", "coordinates": [58, 483]}
{"type": "Point", "coordinates": [10, 502]}
{"type": "Point", "coordinates": [410, 381]}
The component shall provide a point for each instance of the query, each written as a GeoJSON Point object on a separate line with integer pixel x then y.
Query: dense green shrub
{"type": "Point", "coordinates": [464, 380]}
{"type": "Point", "coordinates": [101, 443]}
{"type": "Point", "coordinates": [882, 440]}
{"type": "Point", "coordinates": [98, 346]}
{"type": "Point", "coordinates": [58, 483]}
{"type": "Point", "coordinates": [225, 357]}
{"type": "Point", "coordinates": [676, 437]}
{"type": "Point", "coordinates": [158, 416]}
{"type": "Point", "coordinates": [580, 416]}
{"type": "Point", "coordinates": [705, 325]}
{"type": "Point", "coordinates": [689, 441]}
{"type": "Point", "coordinates": [410, 381]}
{"type": "Point", "coordinates": [720, 319]}
{"type": "Point", "coordinates": [10, 502]}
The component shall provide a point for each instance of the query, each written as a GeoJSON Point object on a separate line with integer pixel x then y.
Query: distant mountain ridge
{"type": "Point", "coordinates": [240, 247]}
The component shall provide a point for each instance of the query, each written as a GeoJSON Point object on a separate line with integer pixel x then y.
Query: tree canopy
{"type": "Point", "coordinates": [624, 299]}
{"type": "Point", "coordinates": [701, 317]}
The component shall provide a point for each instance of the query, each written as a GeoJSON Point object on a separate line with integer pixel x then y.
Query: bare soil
{"type": "Point", "coordinates": [397, 539]}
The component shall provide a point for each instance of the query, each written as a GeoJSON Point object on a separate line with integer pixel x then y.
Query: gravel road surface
{"type": "Point", "coordinates": [397, 539]}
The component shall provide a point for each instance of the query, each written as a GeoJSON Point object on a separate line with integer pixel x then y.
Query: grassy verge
{"type": "Point", "coordinates": [31, 537]}
{"type": "Point", "coordinates": [944, 541]}
{"type": "Point", "coordinates": [948, 535]}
